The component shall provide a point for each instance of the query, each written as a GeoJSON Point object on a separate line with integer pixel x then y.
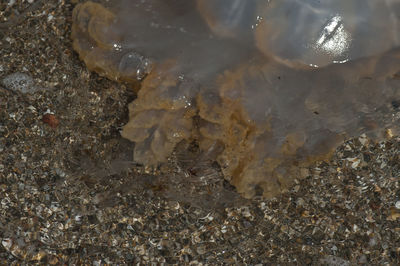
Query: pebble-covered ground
{"type": "Point", "coordinates": [70, 193]}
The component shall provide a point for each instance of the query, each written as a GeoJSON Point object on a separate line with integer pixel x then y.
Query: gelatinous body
{"type": "Point", "coordinates": [235, 76]}
{"type": "Point", "coordinates": [321, 32]}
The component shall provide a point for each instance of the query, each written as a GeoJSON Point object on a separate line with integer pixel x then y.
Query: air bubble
{"type": "Point", "coordinates": [134, 64]}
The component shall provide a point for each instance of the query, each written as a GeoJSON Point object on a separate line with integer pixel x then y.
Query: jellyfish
{"type": "Point", "coordinates": [264, 87]}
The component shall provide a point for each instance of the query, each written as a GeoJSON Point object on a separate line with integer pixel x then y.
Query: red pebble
{"type": "Point", "coordinates": [51, 120]}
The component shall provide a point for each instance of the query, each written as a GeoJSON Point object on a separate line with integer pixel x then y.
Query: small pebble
{"type": "Point", "coordinates": [51, 120]}
{"type": "Point", "coordinates": [19, 82]}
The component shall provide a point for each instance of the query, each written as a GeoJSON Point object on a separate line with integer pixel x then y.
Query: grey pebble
{"type": "Point", "coordinates": [19, 82]}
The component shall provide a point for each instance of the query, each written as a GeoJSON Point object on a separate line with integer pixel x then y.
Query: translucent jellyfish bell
{"type": "Point", "coordinates": [319, 33]}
